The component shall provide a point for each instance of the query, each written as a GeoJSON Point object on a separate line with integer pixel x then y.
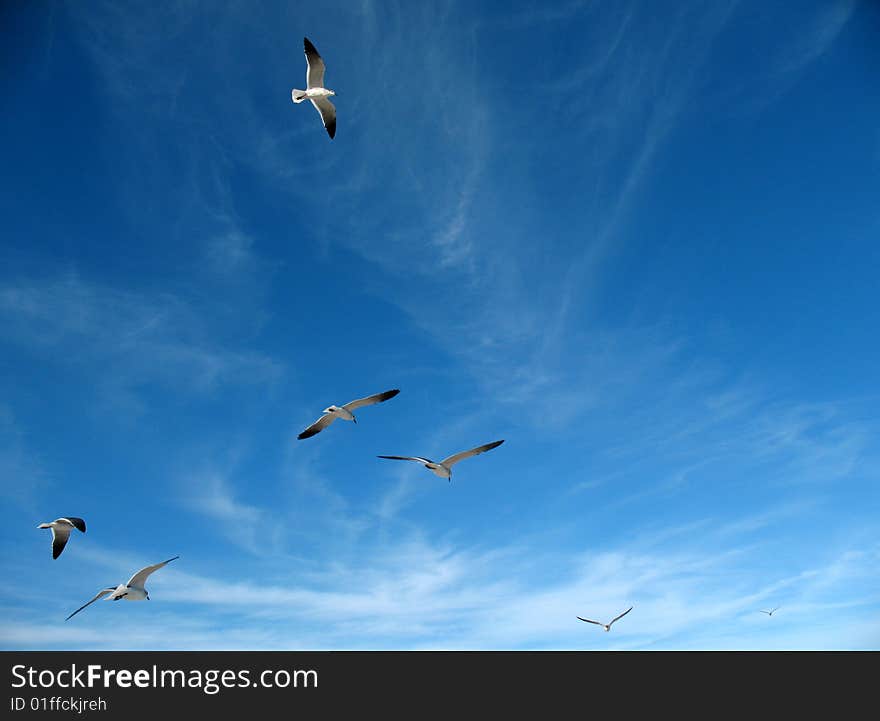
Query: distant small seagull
{"type": "Point", "coordinates": [61, 528]}
{"type": "Point", "coordinates": [132, 591]}
{"type": "Point", "coordinates": [771, 612]}
{"type": "Point", "coordinates": [316, 92]}
{"type": "Point", "coordinates": [607, 626]}
{"type": "Point", "coordinates": [444, 467]}
{"type": "Point", "coordinates": [331, 413]}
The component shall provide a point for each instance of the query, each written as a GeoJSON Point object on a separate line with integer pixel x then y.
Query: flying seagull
{"type": "Point", "coordinates": [331, 413]}
{"type": "Point", "coordinates": [132, 591]}
{"type": "Point", "coordinates": [316, 92]}
{"type": "Point", "coordinates": [444, 467]}
{"type": "Point", "coordinates": [770, 613]}
{"type": "Point", "coordinates": [61, 528]}
{"type": "Point", "coordinates": [607, 626]}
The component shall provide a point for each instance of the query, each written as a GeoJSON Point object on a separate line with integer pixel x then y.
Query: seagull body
{"type": "Point", "coordinates": [331, 413]}
{"type": "Point", "coordinates": [771, 612]}
{"type": "Point", "coordinates": [61, 528]}
{"type": "Point", "coordinates": [134, 590]}
{"type": "Point", "coordinates": [444, 467]}
{"type": "Point", "coordinates": [315, 90]}
{"type": "Point", "coordinates": [607, 626]}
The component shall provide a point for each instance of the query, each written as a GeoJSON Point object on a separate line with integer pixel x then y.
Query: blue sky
{"type": "Point", "coordinates": [636, 240]}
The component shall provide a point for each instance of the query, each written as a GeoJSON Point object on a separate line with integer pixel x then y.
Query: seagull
{"type": "Point", "coordinates": [770, 613]}
{"type": "Point", "coordinates": [444, 467]}
{"type": "Point", "coordinates": [132, 591]}
{"type": "Point", "coordinates": [331, 413]}
{"type": "Point", "coordinates": [61, 528]}
{"type": "Point", "coordinates": [316, 92]}
{"type": "Point", "coordinates": [607, 626]}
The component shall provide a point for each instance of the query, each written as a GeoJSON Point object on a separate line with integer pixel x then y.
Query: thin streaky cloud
{"type": "Point", "coordinates": [135, 335]}
{"type": "Point", "coordinates": [458, 598]}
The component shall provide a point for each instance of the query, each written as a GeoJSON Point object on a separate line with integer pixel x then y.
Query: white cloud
{"type": "Point", "coordinates": [417, 594]}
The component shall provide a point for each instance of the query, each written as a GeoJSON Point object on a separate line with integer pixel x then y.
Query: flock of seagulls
{"type": "Point", "coordinates": [442, 468]}
{"type": "Point", "coordinates": [135, 588]}
{"type": "Point", "coordinates": [132, 591]}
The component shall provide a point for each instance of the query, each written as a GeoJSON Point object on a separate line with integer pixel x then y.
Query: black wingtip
{"type": "Point", "coordinates": [308, 47]}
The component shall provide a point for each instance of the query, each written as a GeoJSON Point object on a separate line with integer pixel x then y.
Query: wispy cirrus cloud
{"type": "Point", "coordinates": [134, 337]}
{"type": "Point", "coordinates": [418, 594]}
{"type": "Point", "coordinates": [793, 49]}
{"type": "Point", "coordinates": [22, 474]}
{"type": "Point", "coordinates": [211, 495]}
{"type": "Point", "coordinates": [504, 303]}
{"type": "Point", "coordinates": [820, 33]}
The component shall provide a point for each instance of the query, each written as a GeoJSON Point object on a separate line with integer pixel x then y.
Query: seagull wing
{"type": "Point", "coordinates": [77, 523]}
{"type": "Point", "coordinates": [140, 578]}
{"type": "Point", "coordinates": [318, 426]}
{"type": "Point", "coordinates": [315, 69]}
{"type": "Point", "coordinates": [407, 458]}
{"type": "Point", "coordinates": [449, 462]}
{"type": "Point", "coordinates": [60, 534]}
{"type": "Point", "coordinates": [328, 114]}
{"type": "Point", "coordinates": [767, 612]}
{"type": "Point", "coordinates": [587, 620]}
{"type": "Point", "coordinates": [370, 400]}
{"type": "Point", "coordinates": [100, 594]}
{"type": "Point", "coordinates": [617, 618]}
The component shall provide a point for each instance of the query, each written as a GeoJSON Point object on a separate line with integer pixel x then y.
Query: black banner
{"type": "Point", "coordinates": [143, 684]}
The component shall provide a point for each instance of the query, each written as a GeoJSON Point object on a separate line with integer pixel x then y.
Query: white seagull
{"type": "Point", "coordinates": [61, 528]}
{"type": "Point", "coordinates": [771, 612]}
{"type": "Point", "coordinates": [444, 467]}
{"type": "Point", "coordinates": [607, 626]}
{"type": "Point", "coordinates": [331, 413]}
{"type": "Point", "coordinates": [316, 92]}
{"type": "Point", "coordinates": [132, 591]}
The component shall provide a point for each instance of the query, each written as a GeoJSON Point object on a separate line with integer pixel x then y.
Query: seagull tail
{"type": "Point", "coordinates": [297, 95]}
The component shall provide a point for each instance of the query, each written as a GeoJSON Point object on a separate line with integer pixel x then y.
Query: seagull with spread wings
{"type": "Point", "coordinates": [444, 467]}
{"type": "Point", "coordinates": [331, 413]}
{"type": "Point", "coordinates": [770, 612]}
{"type": "Point", "coordinates": [134, 590]}
{"type": "Point", "coordinates": [315, 90]}
{"type": "Point", "coordinates": [61, 528]}
{"type": "Point", "coordinates": [607, 626]}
